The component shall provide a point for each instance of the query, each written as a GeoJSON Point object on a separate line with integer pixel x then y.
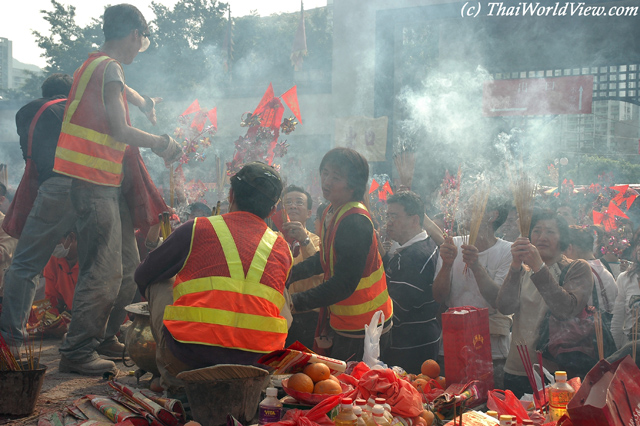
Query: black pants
{"type": "Point", "coordinates": [519, 385]}
{"type": "Point", "coordinates": [352, 349]}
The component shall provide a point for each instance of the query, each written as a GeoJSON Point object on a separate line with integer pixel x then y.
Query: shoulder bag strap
{"type": "Point", "coordinates": [602, 291]}
{"type": "Point", "coordinates": [32, 127]}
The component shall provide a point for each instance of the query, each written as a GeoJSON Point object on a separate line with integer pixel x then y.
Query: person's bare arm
{"type": "Point", "coordinates": [442, 283]}
{"type": "Point", "coordinates": [120, 130]}
{"type": "Point", "coordinates": [433, 230]}
{"type": "Point", "coordinates": [145, 103]}
{"type": "Point", "coordinates": [488, 288]}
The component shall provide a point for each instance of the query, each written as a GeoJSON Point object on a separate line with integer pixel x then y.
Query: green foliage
{"type": "Point", "coordinates": [589, 168]}
{"type": "Point", "coordinates": [186, 55]}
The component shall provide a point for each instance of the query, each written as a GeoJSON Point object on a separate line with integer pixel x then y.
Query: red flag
{"type": "Point", "coordinates": [382, 195]}
{"type": "Point", "coordinates": [374, 185]}
{"type": "Point", "coordinates": [299, 49]}
{"type": "Point", "coordinates": [268, 95]}
{"type": "Point", "coordinates": [290, 97]}
{"type": "Point", "coordinates": [387, 188]}
{"type": "Point", "coordinates": [213, 117]}
{"type": "Point", "coordinates": [608, 217]}
{"type": "Point", "coordinates": [194, 107]}
{"type": "Point", "coordinates": [625, 195]}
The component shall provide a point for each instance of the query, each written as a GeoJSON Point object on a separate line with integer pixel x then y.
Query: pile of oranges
{"type": "Point", "coordinates": [315, 378]}
{"type": "Point", "coordinates": [430, 373]}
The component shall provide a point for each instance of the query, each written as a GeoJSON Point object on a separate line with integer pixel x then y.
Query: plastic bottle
{"type": "Point", "coordinates": [357, 410]}
{"type": "Point", "coordinates": [270, 410]}
{"type": "Point", "coordinates": [560, 393]}
{"type": "Point", "coordinates": [379, 417]}
{"type": "Point", "coordinates": [346, 417]}
{"type": "Point", "coordinates": [493, 414]}
{"type": "Point", "coordinates": [387, 408]}
{"type": "Point", "coordinates": [505, 420]}
{"type": "Point", "coordinates": [367, 409]}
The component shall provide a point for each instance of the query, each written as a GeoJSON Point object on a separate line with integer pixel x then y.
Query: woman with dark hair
{"type": "Point", "coordinates": [625, 311]}
{"type": "Point", "coordinates": [540, 280]}
{"type": "Point", "coordinates": [354, 286]}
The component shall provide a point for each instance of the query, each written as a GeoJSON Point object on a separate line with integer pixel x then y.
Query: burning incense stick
{"type": "Point", "coordinates": [544, 388]}
{"type": "Point", "coordinates": [524, 191]}
{"type": "Point", "coordinates": [404, 158]}
{"type": "Point", "coordinates": [523, 351]}
{"type": "Point", "coordinates": [477, 211]}
{"type": "Point", "coordinates": [598, 326]}
{"type": "Point", "coordinates": [634, 340]}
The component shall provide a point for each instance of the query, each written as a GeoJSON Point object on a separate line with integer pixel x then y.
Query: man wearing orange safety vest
{"type": "Point", "coordinates": [95, 133]}
{"type": "Point", "coordinates": [355, 286]}
{"type": "Point", "coordinates": [215, 286]}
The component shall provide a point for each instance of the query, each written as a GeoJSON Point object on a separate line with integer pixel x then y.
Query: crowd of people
{"type": "Point", "coordinates": [225, 287]}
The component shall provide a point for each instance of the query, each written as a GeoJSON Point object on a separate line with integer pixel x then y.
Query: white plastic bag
{"type": "Point", "coordinates": [372, 333]}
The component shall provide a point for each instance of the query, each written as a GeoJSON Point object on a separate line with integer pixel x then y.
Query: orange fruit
{"type": "Point", "coordinates": [300, 382]}
{"type": "Point", "coordinates": [430, 368]}
{"type": "Point", "coordinates": [428, 417]}
{"type": "Point", "coordinates": [422, 385]}
{"type": "Point", "coordinates": [334, 378]}
{"type": "Point", "coordinates": [317, 372]}
{"type": "Point", "coordinates": [328, 386]}
{"type": "Point", "coordinates": [442, 382]}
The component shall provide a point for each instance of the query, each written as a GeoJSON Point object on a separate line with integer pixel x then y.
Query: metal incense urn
{"type": "Point", "coordinates": [139, 341]}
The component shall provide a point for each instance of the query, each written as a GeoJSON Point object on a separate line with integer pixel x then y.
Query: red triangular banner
{"type": "Point", "coordinates": [387, 188]}
{"type": "Point", "coordinates": [615, 211]}
{"type": "Point", "coordinates": [268, 95]}
{"type": "Point", "coordinates": [374, 185]}
{"type": "Point", "coordinates": [213, 117]}
{"type": "Point", "coordinates": [290, 97]}
{"type": "Point", "coordinates": [194, 107]}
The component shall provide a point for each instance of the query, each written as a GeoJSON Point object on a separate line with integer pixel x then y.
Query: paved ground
{"type": "Point", "coordinates": [61, 389]}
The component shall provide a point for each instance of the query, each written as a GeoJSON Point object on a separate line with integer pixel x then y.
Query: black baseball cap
{"type": "Point", "coordinates": [263, 178]}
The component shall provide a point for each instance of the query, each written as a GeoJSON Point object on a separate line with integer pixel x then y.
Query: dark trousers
{"type": "Point", "coordinates": [519, 385]}
{"type": "Point", "coordinates": [352, 348]}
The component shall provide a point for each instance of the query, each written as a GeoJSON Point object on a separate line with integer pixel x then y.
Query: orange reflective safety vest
{"type": "Point", "coordinates": [215, 302]}
{"type": "Point", "coordinates": [86, 149]}
{"type": "Point", "coordinates": [371, 294]}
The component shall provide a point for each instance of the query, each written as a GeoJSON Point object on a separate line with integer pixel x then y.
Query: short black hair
{"type": "Point", "coordinates": [411, 202]}
{"type": "Point", "coordinates": [250, 199]}
{"type": "Point", "coordinates": [294, 188]}
{"type": "Point", "coordinates": [199, 206]}
{"type": "Point", "coordinates": [121, 19]}
{"type": "Point", "coordinates": [581, 238]}
{"type": "Point", "coordinates": [502, 207]}
{"type": "Point", "coordinates": [56, 84]}
{"type": "Point", "coordinates": [561, 222]}
{"type": "Point", "coordinates": [353, 164]}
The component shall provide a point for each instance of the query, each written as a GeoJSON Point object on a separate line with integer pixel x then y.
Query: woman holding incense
{"type": "Point", "coordinates": [624, 325]}
{"type": "Point", "coordinates": [354, 285]}
{"type": "Point", "coordinates": [540, 280]}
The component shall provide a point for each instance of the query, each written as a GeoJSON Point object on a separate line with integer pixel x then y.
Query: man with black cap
{"type": "Point", "coordinates": [215, 286]}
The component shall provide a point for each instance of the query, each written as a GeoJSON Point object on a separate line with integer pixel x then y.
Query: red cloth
{"type": "Point", "coordinates": [60, 282]}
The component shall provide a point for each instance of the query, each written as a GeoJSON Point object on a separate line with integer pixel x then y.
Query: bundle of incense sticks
{"type": "Point", "coordinates": [8, 361]}
{"type": "Point", "coordinates": [477, 211]}
{"type": "Point", "coordinates": [523, 351]}
{"type": "Point", "coordinates": [165, 224]}
{"type": "Point", "coordinates": [172, 186]}
{"type": "Point", "coordinates": [524, 191]}
{"type": "Point", "coordinates": [544, 388]}
{"type": "Point", "coordinates": [405, 161]}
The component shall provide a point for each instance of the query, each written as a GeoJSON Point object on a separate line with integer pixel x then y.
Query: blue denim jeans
{"type": "Point", "coordinates": [107, 257]}
{"type": "Point", "coordinates": [50, 218]}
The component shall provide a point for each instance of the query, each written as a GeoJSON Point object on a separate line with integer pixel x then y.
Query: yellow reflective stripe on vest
{"type": "Point", "coordinates": [371, 279]}
{"type": "Point", "coordinates": [339, 214]}
{"type": "Point", "coordinates": [89, 161]}
{"type": "Point", "coordinates": [82, 86]}
{"type": "Point", "coordinates": [228, 247]}
{"type": "Point", "coordinates": [261, 256]}
{"type": "Point", "coordinates": [363, 308]}
{"type": "Point", "coordinates": [93, 136]}
{"type": "Point", "coordinates": [228, 284]}
{"type": "Point", "coordinates": [225, 318]}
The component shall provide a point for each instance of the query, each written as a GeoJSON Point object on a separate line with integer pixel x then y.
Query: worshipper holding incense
{"type": "Point", "coordinates": [542, 279]}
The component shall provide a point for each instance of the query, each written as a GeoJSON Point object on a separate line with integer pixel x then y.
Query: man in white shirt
{"type": "Point", "coordinates": [487, 264]}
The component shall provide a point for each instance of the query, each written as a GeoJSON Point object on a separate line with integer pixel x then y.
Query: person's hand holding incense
{"type": "Point", "coordinates": [523, 251]}
{"type": "Point", "coordinates": [294, 230]}
{"type": "Point", "coordinates": [470, 256]}
{"type": "Point", "coordinates": [448, 251]}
